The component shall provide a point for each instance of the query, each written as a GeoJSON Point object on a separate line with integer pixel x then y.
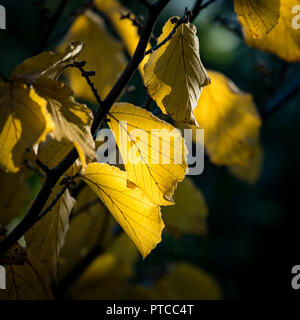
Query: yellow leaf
{"type": "Point", "coordinates": [14, 190]}
{"type": "Point", "coordinates": [123, 248]}
{"type": "Point", "coordinates": [230, 120]}
{"type": "Point", "coordinates": [186, 282]}
{"type": "Point", "coordinates": [102, 53]}
{"type": "Point", "coordinates": [103, 279]}
{"type": "Point", "coordinates": [113, 10]}
{"type": "Point", "coordinates": [16, 254]}
{"type": "Point", "coordinates": [188, 216]}
{"type": "Point", "coordinates": [108, 274]}
{"type": "Point", "coordinates": [72, 120]}
{"type": "Point", "coordinates": [24, 122]}
{"type": "Point", "coordinates": [174, 74]}
{"type": "Point", "coordinates": [89, 217]}
{"type": "Point", "coordinates": [259, 17]}
{"type": "Point", "coordinates": [153, 151]}
{"type": "Point", "coordinates": [138, 216]}
{"type": "Point", "coordinates": [283, 40]}
{"type": "Point", "coordinates": [251, 171]}
{"type": "Point", "coordinates": [46, 237]}
{"type": "Point", "coordinates": [29, 281]}
{"type": "Point", "coordinates": [47, 64]}
{"type": "Point", "coordinates": [52, 152]}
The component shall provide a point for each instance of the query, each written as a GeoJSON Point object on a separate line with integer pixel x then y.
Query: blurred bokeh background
{"type": "Point", "coordinates": [253, 230]}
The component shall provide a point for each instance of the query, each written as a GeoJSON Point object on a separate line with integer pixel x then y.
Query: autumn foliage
{"type": "Point", "coordinates": [48, 132]}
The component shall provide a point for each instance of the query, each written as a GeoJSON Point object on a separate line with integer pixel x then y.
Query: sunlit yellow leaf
{"type": "Point", "coordinates": [113, 10]}
{"type": "Point", "coordinates": [29, 281]}
{"type": "Point", "coordinates": [47, 64]}
{"type": "Point", "coordinates": [188, 216]}
{"type": "Point", "coordinates": [47, 236]}
{"type": "Point", "coordinates": [230, 120]}
{"type": "Point", "coordinates": [283, 40]}
{"type": "Point", "coordinates": [174, 74]}
{"type": "Point", "coordinates": [72, 120]}
{"type": "Point", "coordinates": [24, 122]}
{"type": "Point", "coordinates": [138, 216]}
{"type": "Point", "coordinates": [259, 17]}
{"type": "Point", "coordinates": [102, 53]}
{"type": "Point", "coordinates": [153, 151]}
{"type": "Point", "coordinates": [14, 190]}
{"type": "Point", "coordinates": [252, 170]}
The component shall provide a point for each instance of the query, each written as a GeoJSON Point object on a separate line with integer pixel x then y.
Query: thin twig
{"type": "Point", "coordinates": [206, 4]}
{"type": "Point", "coordinates": [87, 5]}
{"type": "Point", "coordinates": [50, 27]}
{"type": "Point", "coordinates": [232, 26]}
{"type": "Point", "coordinates": [178, 23]}
{"type": "Point", "coordinates": [31, 217]}
{"type": "Point", "coordinates": [199, 6]}
{"type": "Point", "coordinates": [281, 97]}
{"type": "Point", "coordinates": [87, 75]}
{"type": "Point", "coordinates": [196, 9]}
{"type": "Point", "coordinates": [136, 21]}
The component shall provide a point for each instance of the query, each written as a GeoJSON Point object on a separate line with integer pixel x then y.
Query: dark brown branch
{"type": "Point", "coordinates": [196, 9]}
{"type": "Point", "coordinates": [50, 27]}
{"type": "Point", "coordinates": [43, 167]}
{"type": "Point", "coordinates": [42, 197]}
